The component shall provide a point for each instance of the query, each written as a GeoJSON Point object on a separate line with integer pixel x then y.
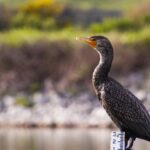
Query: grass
{"type": "Point", "coordinates": [19, 36]}
{"type": "Point", "coordinates": [133, 37]}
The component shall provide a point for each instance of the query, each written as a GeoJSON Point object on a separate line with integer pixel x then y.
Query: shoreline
{"type": "Point", "coordinates": [58, 126]}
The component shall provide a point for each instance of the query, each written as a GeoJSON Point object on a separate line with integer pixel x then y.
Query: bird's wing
{"type": "Point", "coordinates": [128, 109]}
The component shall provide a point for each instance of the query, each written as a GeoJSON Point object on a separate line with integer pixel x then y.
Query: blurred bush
{"type": "Point", "coordinates": [37, 14]}
{"type": "Point", "coordinates": [5, 17]}
{"type": "Point", "coordinates": [44, 8]}
{"type": "Point", "coordinates": [66, 65]}
{"type": "Point", "coordinates": [34, 14]}
{"type": "Point", "coordinates": [23, 101]}
{"type": "Point", "coordinates": [125, 24]}
{"type": "Point", "coordinates": [32, 21]}
{"type": "Point", "coordinates": [22, 20]}
{"type": "Point", "coordinates": [49, 24]}
{"type": "Point", "coordinates": [49, 15]}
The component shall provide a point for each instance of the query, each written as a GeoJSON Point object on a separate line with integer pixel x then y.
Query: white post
{"type": "Point", "coordinates": [117, 140]}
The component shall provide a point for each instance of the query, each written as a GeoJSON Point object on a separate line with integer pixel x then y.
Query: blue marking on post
{"type": "Point", "coordinates": [117, 140]}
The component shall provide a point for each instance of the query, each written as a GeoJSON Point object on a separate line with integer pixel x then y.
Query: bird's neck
{"type": "Point", "coordinates": [101, 71]}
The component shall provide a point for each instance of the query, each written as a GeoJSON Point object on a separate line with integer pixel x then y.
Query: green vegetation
{"type": "Point", "coordinates": [105, 4]}
{"type": "Point", "coordinates": [42, 35]}
{"type": "Point", "coordinates": [28, 35]}
{"type": "Point", "coordinates": [36, 20]}
{"type": "Point", "coordinates": [15, 2]}
{"type": "Point", "coordinates": [136, 37]}
{"type": "Point", "coordinates": [129, 32]}
{"type": "Point", "coordinates": [125, 24]}
{"type": "Point", "coordinates": [22, 101]}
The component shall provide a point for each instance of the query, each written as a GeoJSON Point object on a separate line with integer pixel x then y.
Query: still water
{"type": "Point", "coordinates": [59, 139]}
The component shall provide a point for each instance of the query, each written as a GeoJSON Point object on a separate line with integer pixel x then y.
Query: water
{"type": "Point", "coordinates": [59, 139]}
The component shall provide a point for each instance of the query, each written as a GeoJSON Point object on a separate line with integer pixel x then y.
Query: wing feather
{"type": "Point", "coordinates": [127, 109]}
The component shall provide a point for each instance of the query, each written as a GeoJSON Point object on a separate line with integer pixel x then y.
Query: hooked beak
{"type": "Point", "coordinates": [87, 40]}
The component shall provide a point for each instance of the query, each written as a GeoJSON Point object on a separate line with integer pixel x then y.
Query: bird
{"type": "Point", "coordinates": [123, 107]}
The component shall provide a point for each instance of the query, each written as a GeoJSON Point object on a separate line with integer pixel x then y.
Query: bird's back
{"type": "Point", "coordinates": [128, 113]}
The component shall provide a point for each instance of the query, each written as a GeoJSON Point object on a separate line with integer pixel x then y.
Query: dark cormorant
{"type": "Point", "coordinates": [127, 112]}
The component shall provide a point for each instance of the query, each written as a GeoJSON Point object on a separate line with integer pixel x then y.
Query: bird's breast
{"type": "Point", "coordinates": [104, 101]}
{"type": "Point", "coordinates": [107, 105]}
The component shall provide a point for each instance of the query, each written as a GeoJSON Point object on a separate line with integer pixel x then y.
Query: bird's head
{"type": "Point", "coordinates": [100, 43]}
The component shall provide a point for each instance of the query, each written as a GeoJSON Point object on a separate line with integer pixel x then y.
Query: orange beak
{"type": "Point", "coordinates": [87, 40]}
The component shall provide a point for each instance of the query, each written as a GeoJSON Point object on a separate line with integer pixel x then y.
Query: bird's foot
{"type": "Point", "coordinates": [130, 144]}
{"type": "Point", "coordinates": [128, 148]}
